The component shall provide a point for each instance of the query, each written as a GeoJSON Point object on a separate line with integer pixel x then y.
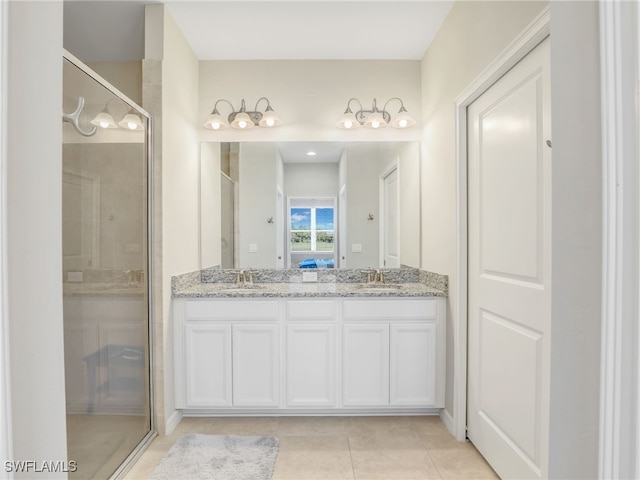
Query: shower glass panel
{"type": "Point", "coordinates": [105, 276]}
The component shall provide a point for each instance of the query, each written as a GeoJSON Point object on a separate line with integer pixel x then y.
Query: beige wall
{"type": "Point", "coordinates": [576, 240]}
{"type": "Point", "coordinates": [471, 37]}
{"type": "Point", "coordinates": [125, 76]}
{"type": "Point", "coordinates": [170, 94]}
{"type": "Point", "coordinates": [309, 95]}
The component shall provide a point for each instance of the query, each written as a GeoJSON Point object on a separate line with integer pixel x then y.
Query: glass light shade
{"type": "Point", "coordinates": [269, 118]}
{"type": "Point", "coordinates": [242, 121]}
{"type": "Point", "coordinates": [403, 120]}
{"type": "Point", "coordinates": [375, 120]}
{"type": "Point", "coordinates": [104, 120]}
{"type": "Point", "coordinates": [215, 122]}
{"type": "Point", "coordinates": [131, 121]}
{"type": "Point", "coordinates": [348, 121]}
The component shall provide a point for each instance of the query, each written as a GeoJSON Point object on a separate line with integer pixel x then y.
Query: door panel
{"type": "Point", "coordinates": [256, 365]}
{"type": "Point", "coordinates": [412, 363]}
{"type": "Point", "coordinates": [311, 365]}
{"type": "Point", "coordinates": [366, 365]}
{"type": "Point", "coordinates": [509, 194]}
{"type": "Point", "coordinates": [208, 365]}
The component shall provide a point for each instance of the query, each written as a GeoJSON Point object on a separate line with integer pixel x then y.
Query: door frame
{"type": "Point", "coordinates": [619, 364]}
{"type": "Point", "coordinates": [395, 165]}
{"type": "Point", "coordinates": [530, 37]}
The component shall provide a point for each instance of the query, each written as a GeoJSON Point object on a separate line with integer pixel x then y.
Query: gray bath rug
{"type": "Point", "coordinates": [219, 457]}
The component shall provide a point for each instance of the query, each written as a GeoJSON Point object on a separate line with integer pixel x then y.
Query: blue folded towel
{"type": "Point", "coordinates": [316, 263]}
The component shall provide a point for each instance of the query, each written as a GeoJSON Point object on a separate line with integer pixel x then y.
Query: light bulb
{"type": "Point", "coordinates": [270, 122]}
{"type": "Point", "coordinates": [402, 123]}
{"type": "Point", "coordinates": [215, 125]}
{"type": "Point", "coordinates": [131, 125]}
{"type": "Point", "coordinates": [375, 124]}
{"type": "Point", "coordinates": [104, 124]}
{"type": "Point", "coordinates": [348, 124]}
{"type": "Point", "coordinates": [242, 124]}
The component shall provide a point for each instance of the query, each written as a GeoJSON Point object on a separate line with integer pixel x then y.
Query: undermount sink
{"type": "Point", "coordinates": [243, 288]}
{"type": "Point", "coordinates": [379, 286]}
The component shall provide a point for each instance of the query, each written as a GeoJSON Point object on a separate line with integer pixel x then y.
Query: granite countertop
{"type": "Point", "coordinates": [270, 290]}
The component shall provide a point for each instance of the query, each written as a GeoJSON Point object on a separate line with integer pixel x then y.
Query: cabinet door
{"type": "Point", "coordinates": [207, 351]}
{"type": "Point", "coordinates": [413, 364]}
{"type": "Point", "coordinates": [256, 365]}
{"type": "Point", "coordinates": [366, 365]}
{"type": "Point", "coordinates": [311, 365]}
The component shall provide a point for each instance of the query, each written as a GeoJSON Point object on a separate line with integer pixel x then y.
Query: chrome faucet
{"type": "Point", "coordinates": [240, 277]}
{"type": "Point", "coordinates": [378, 276]}
{"type": "Point", "coordinates": [369, 275]}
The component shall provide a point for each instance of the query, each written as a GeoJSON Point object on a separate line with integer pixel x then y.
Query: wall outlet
{"type": "Point", "coordinates": [74, 276]}
{"type": "Point", "coordinates": [356, 247]}
{"type": "Point", "coordinates": [309, 276]}
{"type": "Point", "coordinates": [253, 247]}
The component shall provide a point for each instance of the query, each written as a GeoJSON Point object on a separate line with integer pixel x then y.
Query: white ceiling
{"type": "Point", "coordinates": [260, 30]}
{"type": "Point", "coordinates": [293, 30]}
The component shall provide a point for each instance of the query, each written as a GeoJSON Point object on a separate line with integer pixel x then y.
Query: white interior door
{"type": "Point", "coordinates": [509, 181]}
{"type": "Point", "coordinates": [390, 221]}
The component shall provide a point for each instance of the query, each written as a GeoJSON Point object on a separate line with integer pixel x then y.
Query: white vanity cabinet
{"type": "Point", "coordinates": [393, 352]}
{"type": "Point", "coordinates": [311, 352]}
{"type": "Point", "coordinates": [227, 353]}
{"type": "Point", "coordinates": [322, 355]}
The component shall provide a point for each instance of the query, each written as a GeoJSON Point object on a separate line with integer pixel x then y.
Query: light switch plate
{"type": "Point", "coordinates": [253, 247]}
{"type": "Point", "coordinates": [309, 276]}
{"type": "Point", "coordinates": [356, 247]}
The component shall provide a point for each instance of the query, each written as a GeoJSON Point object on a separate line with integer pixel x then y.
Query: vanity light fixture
{"type": "Point", "coordinates": [104, 119]}
{"type": "Point", "coordinates": [375, 118]}
{"type": "Point", "coordinates": [243, 119]}
{"type": "Point", "coordinates": [131, 121]}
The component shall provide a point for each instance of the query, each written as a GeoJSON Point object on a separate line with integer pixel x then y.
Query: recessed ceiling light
{"type": "Point", "coordinates": [311, 153]}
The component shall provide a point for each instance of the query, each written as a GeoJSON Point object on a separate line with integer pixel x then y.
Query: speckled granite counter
{"type": "Point", "coordinates": [331, 283]}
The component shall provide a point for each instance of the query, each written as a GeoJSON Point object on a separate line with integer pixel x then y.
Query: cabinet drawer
{"type": "Point", "coordinates": [311, 310]}
{"type": "Point", "coordinates": [231, 310]}
{"type": "Point", "coordinates": [390, 309]}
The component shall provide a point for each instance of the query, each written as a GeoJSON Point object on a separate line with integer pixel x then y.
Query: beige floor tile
{"type": "Point", "coordinates": [193, 425]}
{"type": "Point", "coordinates": [243, 426]}
{"type": "Point", "coordinates": [396, 457]}
{"type": "Point", "coordinates": [461, 462]}
{"type": "Point", "coordinates": [145, 465]}
{"type": "Point", "coordinates": [308, 457]}
{"type": "Point", "coordinates": [312, 426]}
{"type": "Point", "coordinates": [376, 426]}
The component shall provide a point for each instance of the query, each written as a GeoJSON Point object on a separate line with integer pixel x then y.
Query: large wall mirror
{"type": "Point", "coordinates": [310, 204]}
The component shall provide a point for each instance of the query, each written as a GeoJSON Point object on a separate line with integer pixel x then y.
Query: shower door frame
{"type": "Point", "coordinates": [152, 433]}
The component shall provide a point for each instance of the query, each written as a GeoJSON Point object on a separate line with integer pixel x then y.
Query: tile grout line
{"type": "Point", "coordinates": [353, 468]}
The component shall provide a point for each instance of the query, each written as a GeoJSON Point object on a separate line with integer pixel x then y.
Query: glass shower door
{"type": "Point", "coordinates": [105, 274]}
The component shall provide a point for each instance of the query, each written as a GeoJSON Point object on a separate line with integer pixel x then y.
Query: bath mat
{"type": "Point", "coordinates": [220, 457]}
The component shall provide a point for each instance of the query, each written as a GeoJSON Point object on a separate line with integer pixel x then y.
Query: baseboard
{"type": "Point", "coordinates": [173, 421]}
{"type": "Point", "coordinates": [447, 419]}
{"type": "Point", "coordinates": [308, 412]}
